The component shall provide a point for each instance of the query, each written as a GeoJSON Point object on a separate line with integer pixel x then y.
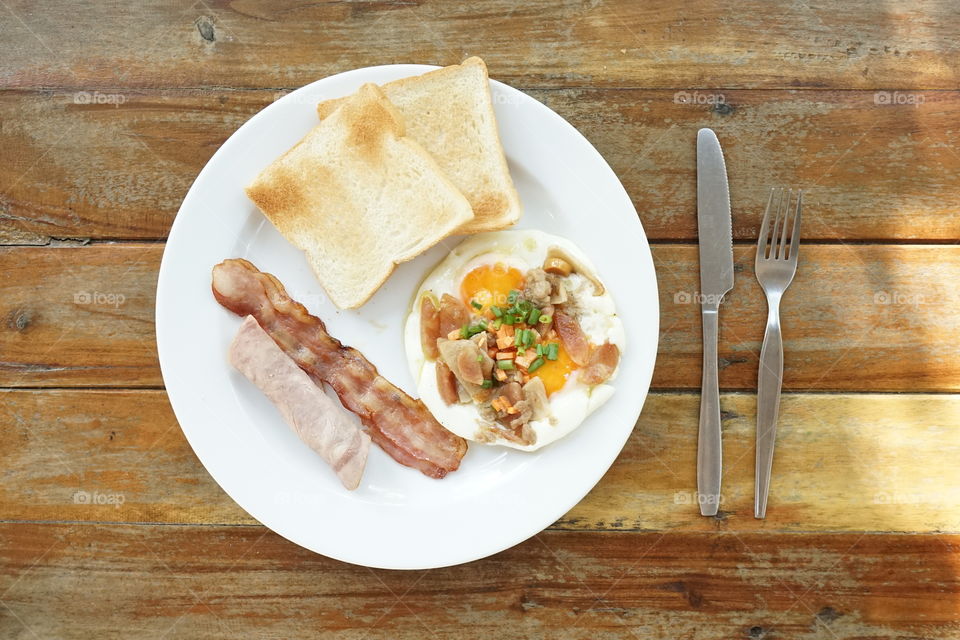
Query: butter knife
{"type": "Point", "coordinates": [716, 279]}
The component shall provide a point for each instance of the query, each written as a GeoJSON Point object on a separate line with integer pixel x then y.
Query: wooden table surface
{"type": "Point", "coordinates": [111, 528]}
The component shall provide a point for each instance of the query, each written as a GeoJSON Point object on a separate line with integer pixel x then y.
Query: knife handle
{"type": "Point", "coordinates": [769, 380]}
{"type": "Point", "coordinates": [709, 451]}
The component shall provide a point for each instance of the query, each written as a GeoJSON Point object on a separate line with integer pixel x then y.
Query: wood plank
{"type": "Point", "coordinates": [119, 456]}
{"type": "Point", "coordinates": [872, 172]}
{"type": "Point", "coordinates": [118, 581]}
{"type": "Point", "coordinates": [79, 316]}
{"type": "Point", "coordinates": [857, 318]}
{"type": "Point", "coordinates": [107, 170]}
{"type": "Point", "coordinates": [64, 448]}
{"type": "Point", "coordinates": [840, 465]}
{"type": "Point", "coordinates": [616, 43]}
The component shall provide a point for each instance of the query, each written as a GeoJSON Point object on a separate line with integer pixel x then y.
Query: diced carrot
{"type": "Point", "coordinates": [500, 374]}
{"type": "Point", "coordinates": [496, 404]}
{"type": "Point", "coordinates": [526, 359]}
{"type": "Point", "coordinates": [454, 335]}
{"type": "Point", "coordinates": [505, 355]}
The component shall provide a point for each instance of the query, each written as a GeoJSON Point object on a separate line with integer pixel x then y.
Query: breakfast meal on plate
{"type": "Point", "coordinates": [315, 417]}
{"type": "Point", "coordinates": [400, 425]}
{"type": "Point", "coordinates": [513, 339]}
{"type": "Point", "coordinates": [450, 112]}
{"type": "Point", "coordinates": [359, 196]}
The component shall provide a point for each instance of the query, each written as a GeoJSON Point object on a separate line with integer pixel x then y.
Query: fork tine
{"type": "Point", "coordinates": [776, 226]}
{"type": "Point", "coordinates": [795, 234]}
{"type": "Point", "coordinates": [764, 229]}
{"type": "Point", "coordinates": [782, 246]}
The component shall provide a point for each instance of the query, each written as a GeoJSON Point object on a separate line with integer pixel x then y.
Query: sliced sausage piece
{"type": "Point", "coordinates": [468, 363]}
{"type": "Point", "coordinates": [429, 326]}
{"type": "Point", "coordinates": [572, 337]}
{"type": "Point", "coordinates": [466, 360]}
{"type": "Point", "coordinates": [453, 314]}
{"type": "Point", "coordinates": [447, 384]}
{"type": "Point", "coordinates": [603, 362]}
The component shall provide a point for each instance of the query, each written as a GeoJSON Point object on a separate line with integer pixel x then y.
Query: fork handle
{"type": "Point", "coordinates": [769, 380]}
{"type": "Point", "coordinates": [709, 448]}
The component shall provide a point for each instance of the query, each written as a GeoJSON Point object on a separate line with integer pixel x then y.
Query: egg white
{"type": "Point", "coordinates": [524, 250]}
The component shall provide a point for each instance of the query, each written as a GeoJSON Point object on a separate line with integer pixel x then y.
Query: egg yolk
{"type": "Point", "coordinates": [554, 373]}
{"type": "Point", "coordinates": [489, 285]}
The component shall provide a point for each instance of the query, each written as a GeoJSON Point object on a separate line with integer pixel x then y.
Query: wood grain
{"type": "Point", "coordinates": [79, 316]}
{"type": "Point", "coordinates": [857, 318]}
{"type": "Point", "coordinates": [211, 582]}
{"type": "Point", "coordinates": [617, 43]}
{"type": "Point", "coordinates": [119, 456]}
{"type": "Point", "coordinates": [886, 172]}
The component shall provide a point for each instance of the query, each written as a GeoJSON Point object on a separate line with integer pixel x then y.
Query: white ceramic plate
{"type": "Point", "coordinates": [398, 518]}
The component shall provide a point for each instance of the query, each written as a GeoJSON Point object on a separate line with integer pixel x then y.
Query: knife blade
{"type": "Point", "coordinates": [715, 235]}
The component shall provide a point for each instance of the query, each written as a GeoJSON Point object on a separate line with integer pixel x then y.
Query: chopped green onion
{"type": "Point", "coordinates": [508, 318]}
{"type": "Point", "coordinates": [487, 384]}
{"type": "Point", "coordinates": [539, 349]}
{"type": "Point", "coordinates": [496, 324]}
{"type": "Point", "coordinates": [505, 364]}
{"type": "Point", "coordinates": [534, 316]}
{"type": "Point", "coordinates": [476, 305]}
{"type": "Point", "coordinates": [553, 351]}
{"type": "Point", "coordinates": [468, 331]}
{"type": "Point", "coordinates": [545, 319]}
{"type": "Point", "coordinates": [513, 296]}
{"type": "Point", "coordinates": [521, 308]}
{"type": "Point", "coordinates": [518, 338]}
{"type": "Point", "coordinates": [536, 364]}
{"type": "Point", "coordinates": [497, 311]}
{"type": "Point", "coordinates": [479, 357]}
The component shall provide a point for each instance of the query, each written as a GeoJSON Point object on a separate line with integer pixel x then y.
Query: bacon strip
{"type": "Point", "coordinates": [316, 418]}
{"type": "Point", "coordinates": [400, 425]}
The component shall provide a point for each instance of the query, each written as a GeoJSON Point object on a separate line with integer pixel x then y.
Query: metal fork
{"type": "Point", "coordinates": [776, 265]}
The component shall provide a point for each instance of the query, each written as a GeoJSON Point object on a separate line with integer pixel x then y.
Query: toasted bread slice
{"type": "Point", "coordinates": [450, 112]}
{"type": "Point", "coordinates": [358, 197]}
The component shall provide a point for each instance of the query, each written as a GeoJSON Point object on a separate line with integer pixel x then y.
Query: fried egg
{"type": "Point", "coordinates": [489, 283]}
